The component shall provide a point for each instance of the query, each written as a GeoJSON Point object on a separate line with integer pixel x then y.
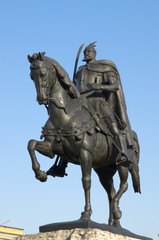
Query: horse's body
{"type": "Point", "coordinates": [76, 137]}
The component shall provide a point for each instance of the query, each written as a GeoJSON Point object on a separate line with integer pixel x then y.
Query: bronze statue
{"type": "Point", "coordinates": [87, 125]}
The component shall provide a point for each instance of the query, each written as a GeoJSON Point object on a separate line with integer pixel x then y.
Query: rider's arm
{"type": "Point", "coordinates": [110, 83]}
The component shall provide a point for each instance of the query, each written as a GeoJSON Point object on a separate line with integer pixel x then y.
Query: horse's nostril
{"type": "Point", "coordinates": [41, 101]}
{"type": "Point", "coordinates": [38, 100]}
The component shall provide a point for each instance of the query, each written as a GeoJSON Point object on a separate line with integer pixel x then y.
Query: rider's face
{"type": "Point", "coordinates": [88, 55]}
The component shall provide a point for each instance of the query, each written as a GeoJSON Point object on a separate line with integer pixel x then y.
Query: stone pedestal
{"type": "Point", "coordinates": [82, 230]}
{"type": "Point", "coordinates": [77, 234]}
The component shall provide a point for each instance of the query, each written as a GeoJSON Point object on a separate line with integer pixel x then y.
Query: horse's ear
{"type": "Point", "coordinates": [29, 58]}
{"type": "Point", "coordinates": [41, 56]}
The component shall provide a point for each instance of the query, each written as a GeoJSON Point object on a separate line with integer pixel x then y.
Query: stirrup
{"type": "Point", "coordinates": [123, 160]}
{"type": "Point", "coordinates": [56, 171]}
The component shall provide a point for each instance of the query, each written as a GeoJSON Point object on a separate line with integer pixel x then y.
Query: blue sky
{"type": "Point", "coordinates": [128, 34]}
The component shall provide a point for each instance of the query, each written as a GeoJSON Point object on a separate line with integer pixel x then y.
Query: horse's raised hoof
{"type": "Point", "coordinates": [41, 176]}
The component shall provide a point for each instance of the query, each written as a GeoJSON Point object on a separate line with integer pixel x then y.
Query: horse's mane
{"type": "Point", "coordinates": [63, 77]}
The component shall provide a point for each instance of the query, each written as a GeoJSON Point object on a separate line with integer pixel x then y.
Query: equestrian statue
{"type": "Point", "coordinates": [87, 125]}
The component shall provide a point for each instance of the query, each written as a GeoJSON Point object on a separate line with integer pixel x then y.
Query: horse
{"type": "Point", "coordinates": [75, 136]}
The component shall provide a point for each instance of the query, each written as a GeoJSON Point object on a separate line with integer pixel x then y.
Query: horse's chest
{"type": "Point", "coordinates": [72, 148]}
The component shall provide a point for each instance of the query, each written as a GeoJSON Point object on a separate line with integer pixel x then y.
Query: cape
{"type": "Point", "coordinates": [116, 99]}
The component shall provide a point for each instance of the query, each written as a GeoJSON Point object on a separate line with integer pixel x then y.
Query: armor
{"type": "Point", "coordinates": [103, 77]}
{"type": "Point", "coordinates": [86, 78]}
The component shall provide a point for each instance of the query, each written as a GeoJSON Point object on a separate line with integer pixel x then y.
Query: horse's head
{"type": "Point", "coordinates": [48, 77]}
{"type": "Point", "coordinates": [42, 73]}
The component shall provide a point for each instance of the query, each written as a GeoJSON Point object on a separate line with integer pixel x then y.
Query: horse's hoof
{"type": "Point", "coordinates": [110, 223]}
{"type": "Point", "coordinates": [41, 176]}
{"type": "Point", "coordinates": [86, 215]}
{"type": "Point", "coordinates": [116, 224]}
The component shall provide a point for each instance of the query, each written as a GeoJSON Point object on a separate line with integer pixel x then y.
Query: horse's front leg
{"type": "Point", "coordinates": [86, 166]}
{"type": "Point", "coordinates": [43, 147]}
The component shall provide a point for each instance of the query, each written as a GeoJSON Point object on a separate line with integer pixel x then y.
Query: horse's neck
{"type": "Point", "coordinates": [59, 98]}
{"type": "Point", "coordinates": [59, 95]}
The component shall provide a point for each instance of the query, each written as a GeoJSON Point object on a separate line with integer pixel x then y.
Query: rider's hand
{"type": "Point", "coordinates": [96, 87]}
{"type": "Point", "coordinates": [89, 87]}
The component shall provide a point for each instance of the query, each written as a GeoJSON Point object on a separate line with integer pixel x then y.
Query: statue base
{"type": "Point", "coordinates": [89, 227]}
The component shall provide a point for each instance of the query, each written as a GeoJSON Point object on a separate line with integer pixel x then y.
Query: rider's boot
{"type": "Point", "coordinates": [124, 158]}
{"type": "Point", "coordinates": [58, 170]}
{"type": "Point", "coordinates": [120, 140]}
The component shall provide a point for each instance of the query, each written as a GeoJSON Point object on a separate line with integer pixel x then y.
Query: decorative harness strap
{"type": "Point", "coordinates": [77, 131]}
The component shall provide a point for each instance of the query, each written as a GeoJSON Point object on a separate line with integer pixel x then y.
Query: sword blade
{"type": "Point", "coordinates": [77, 102]}
{"type": "Point", "coordinates": [76, 62]}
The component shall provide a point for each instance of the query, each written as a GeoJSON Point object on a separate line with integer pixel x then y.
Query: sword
{"type": "Point", "coordinates": [76, 62]}
{"type": "Point", "coordinates": [77, 102]}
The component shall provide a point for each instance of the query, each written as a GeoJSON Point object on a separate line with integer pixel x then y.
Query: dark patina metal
{"type": "Point", "coordinates": [87, 125]}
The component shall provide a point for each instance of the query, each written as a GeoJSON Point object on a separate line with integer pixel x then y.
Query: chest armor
{"type": "Point", "coordinates": [86, 78]}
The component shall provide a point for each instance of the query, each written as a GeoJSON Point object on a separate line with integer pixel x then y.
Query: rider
{"type": "Point", "coordinates": [106, 102]}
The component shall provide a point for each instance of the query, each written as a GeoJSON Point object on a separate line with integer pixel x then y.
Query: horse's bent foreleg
{"type": "Point", "coordinates": [123, 174]}
{"type": "Point", "coordinates": [86, 166]}
{"type": "Point", "coordinates": [43, 147]}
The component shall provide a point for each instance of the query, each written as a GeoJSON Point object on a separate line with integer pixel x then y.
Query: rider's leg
{"type": "Point", "coordinates": [122, 144]}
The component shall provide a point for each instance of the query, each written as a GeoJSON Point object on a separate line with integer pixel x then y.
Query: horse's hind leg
{"type": "Point", "coordinates": [106, 178]}
{"type": "Point", "coordinates": [43, 147]}
{"type": "Point", "coordinates": [123, 174]}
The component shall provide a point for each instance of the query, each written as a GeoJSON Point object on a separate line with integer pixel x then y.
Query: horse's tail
{"type": "Point", "coordinates": [134, 170]}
